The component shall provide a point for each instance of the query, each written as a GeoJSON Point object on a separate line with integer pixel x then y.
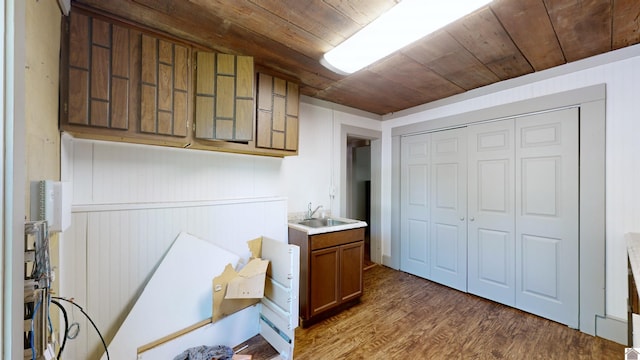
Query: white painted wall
{"type": "Point", "coordinates": [316, 172]}
{"type": "Point", "coordinates": [620, 71]}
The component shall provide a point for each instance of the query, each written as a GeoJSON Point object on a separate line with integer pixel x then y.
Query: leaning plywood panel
{"type": "Point", "coordinates": [177, 296]}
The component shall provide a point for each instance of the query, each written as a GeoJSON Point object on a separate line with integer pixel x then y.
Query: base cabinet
{"type": "Point", "coordinates": [330, 271]}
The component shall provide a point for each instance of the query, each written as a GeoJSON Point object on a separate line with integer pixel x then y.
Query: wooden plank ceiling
{"type": "Point", "coordinates": [504, 40]}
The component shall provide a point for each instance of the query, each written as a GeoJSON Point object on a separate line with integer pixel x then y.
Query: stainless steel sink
{"type": "Point", "coordinates": [317, 223]}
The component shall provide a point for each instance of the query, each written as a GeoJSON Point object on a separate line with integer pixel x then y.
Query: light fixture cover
{"type": "Point", "coordinates": [403, 24]}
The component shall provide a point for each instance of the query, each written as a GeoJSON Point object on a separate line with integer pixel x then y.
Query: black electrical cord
{"type": "Point", "coordinates": [91, 321]}
{"type": "Point", "coordinates": [66, 327]}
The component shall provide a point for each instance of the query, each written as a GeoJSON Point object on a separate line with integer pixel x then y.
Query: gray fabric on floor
{"type": "Point", "coordinates": [218, 352]}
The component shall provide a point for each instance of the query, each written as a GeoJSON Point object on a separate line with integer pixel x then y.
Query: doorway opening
{"type": "Point", "coordinates": [359, 187]}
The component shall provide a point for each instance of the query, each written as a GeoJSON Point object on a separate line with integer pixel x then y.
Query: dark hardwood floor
{"type": "Point", "coordinates": [405, 317]}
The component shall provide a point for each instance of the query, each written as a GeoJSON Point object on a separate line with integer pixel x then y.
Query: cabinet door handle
{"type": "Point", "coordinates": [472, 219]}
{"type": "Point", "coordinates": [462, 218]}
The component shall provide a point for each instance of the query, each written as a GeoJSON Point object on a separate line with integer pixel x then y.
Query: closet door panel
{"type": "Point", "coordinates": [547, 215]}
{"type": "Point", "coordinates": [415, 209]}
{"type": "Point", "coordinates": [491, 228]}
{"type": "Point", "coordinates": [449, 208]}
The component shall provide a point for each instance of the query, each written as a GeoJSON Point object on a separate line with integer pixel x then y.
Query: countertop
{"type": "Point", "coordinates": [350, 224]}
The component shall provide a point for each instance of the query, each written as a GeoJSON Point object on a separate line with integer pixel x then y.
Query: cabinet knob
{"type": "Point", "coordinates": [462, 218]}
{"type": "Point", "coordinates": [472, 219]}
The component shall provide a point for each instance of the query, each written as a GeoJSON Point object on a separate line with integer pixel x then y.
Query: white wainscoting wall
{"type": "Point", "coordinates": [129, 204]}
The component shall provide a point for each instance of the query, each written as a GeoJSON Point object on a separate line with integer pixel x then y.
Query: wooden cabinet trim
{"type": "Point", "coordinates": [321, 241]}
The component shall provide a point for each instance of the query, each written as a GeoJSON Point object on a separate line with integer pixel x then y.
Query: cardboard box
{"type": "Point", "coordinates": [233, 290]}
{"type": "Point", "coordinates": [249, 282]}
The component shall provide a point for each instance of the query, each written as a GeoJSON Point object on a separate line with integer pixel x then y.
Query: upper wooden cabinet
{"type": "Point", "coordinates": [124, 85]}
{"type": "Point", "coordinates": [164, 87]}
{"type": "Point", "coordinates": [99, 73]}
{"type": "Point", "coordinates": [224, 97]}
{"type": "Point", "coordinates": [122, 82]}
{"type": "Point", "coordinates": [277, 119]}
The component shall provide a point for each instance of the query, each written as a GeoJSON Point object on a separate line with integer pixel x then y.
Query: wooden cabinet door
{"type": "Point", "coordinates": [351, 264]}
{"type": "Point", "coordinates": [98, 74]}
{"type": "Point", "coordinates": [164, 87]}
{"type": "Point", "coordinates": [325, 273]}
{"type": "Point", "coordinates": [224, 97]}
{"type": "Point", "coordinates": [277, 115]}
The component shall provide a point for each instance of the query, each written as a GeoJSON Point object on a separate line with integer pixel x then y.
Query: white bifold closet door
{"type": "Point", "coordinates": [547, 192]}
{"type": "Point", "coordinates": [492, 209]}
{"type": "Point", "coordinates": [434, 206]}
{"type": "Point", "coordinates": [415, 205]}
{"type": "Point", "coordinates": [449, 208]}
{"type": "Point", "coordinates": [523, 213]}
{"type": "Point", "coordinates": [491, 229]}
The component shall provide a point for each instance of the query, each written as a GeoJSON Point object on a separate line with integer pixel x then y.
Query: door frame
{"type": "Point", "coordinates": [591, 102]}
{"type": "Point", "coordinates": [375, 229]}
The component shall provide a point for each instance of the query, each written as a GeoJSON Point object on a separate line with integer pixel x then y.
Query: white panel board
{"type": "Point", "coordinates": [230, 331]}
{"type": "Point", "coordinates": [178, 295]}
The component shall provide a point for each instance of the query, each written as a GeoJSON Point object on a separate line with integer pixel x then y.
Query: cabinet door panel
{"type": "Point", "coordinates": [225, 99]}
{"type": "Point", "coordinates": [224, 129]}
{"type": "Point", "coordinates": [180, 113]}
{"type": "Point", "coordinates": [164, 79]}
{"type": "Point", "coordinates": [119, 103]}
{"type": "Point", "coordinates": [100, 33]}
{"type": "Point", "coordinates": [149, 60]}
{"type": "Point", "coordinates": [229, 81]}
{"type": "Point", "coordinates": [120, 54]}
{"type": "Point", "coordinates": [245, 77]}
{"type": "Point", "coordinates": [263, 124]}
{"type": "Point", "coordinates": [277, 140]}
{"type": "Point", "coordinates": [78, 97]}
{"type": "Point", "coordinates": [279, 116]}
{"type": "Point", "coordinates": [325, 269]}
{"type": "Point", "coordinates": [148, 109]}
{"type": "Point", "coordinates": [181, 67]}
{"type": "Point", "coordinates": [165, 87]}
{"type": "Point", "coordinates": [100, 66]}
{"type": "Point", "coordinates": [164, 123]}
{"type": "Point", "coordinates": [79, 43]}
{"type": "Point", "coordinates": [291, 141]}
{"type": "Point", "coordinates": [99, 113]}
{"type": "Point", "coordinates": [277, 126]}
{"type": "Point", "coordinates": [205, 106]}
{"type": "Point", "coordinates": [244, 119]}
{"type": "Point", "coordinates": [99, 74]}
{"type": "Point", "coordinates": [351, 263]}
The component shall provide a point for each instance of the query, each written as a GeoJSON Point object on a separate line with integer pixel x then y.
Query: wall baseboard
{"type": "Point", "coordinates": [388, 262]}
{"type": "Point", "coordinates": [612, 329]}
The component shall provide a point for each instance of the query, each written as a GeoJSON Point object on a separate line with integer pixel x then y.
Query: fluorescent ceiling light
{"type": "Point", "coordinates": [403, 24]}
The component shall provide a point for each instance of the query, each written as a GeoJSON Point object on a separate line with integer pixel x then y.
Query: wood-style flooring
{"type": "Point", "coordinates": [402, 316]}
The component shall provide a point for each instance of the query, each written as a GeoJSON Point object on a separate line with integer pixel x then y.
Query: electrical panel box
{"type": "Point", "coordinates": [50, 201]}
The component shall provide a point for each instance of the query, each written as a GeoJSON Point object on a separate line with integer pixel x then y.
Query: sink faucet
{"type": "Point", "coordinates": [310, 213]}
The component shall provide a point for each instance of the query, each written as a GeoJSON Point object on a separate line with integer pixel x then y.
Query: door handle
{"type": "Point", "coordinates": [462, 218]}
{"type": "Point", "coordinates": [471, 219]}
